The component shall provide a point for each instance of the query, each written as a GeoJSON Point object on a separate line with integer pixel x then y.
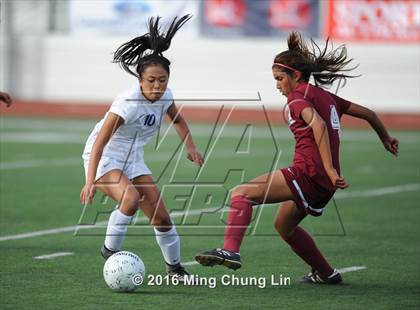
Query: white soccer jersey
{"type": "Point", "coordinates": [142, 119]}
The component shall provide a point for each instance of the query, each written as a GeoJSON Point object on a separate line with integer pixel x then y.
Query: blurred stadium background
{"type": "Point", "coordinates": [60, 51]}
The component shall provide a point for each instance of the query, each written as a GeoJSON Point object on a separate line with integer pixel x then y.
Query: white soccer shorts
{"type": "Point", "coordinates": [130, 168]}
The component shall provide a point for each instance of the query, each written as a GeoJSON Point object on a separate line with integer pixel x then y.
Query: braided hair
{"type": "Point", "coordinates": [136, 55]}
{"type": "Point", "coordinates": [326, 65]}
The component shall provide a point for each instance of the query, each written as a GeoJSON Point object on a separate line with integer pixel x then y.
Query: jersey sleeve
{"type": "Point", "coordinates": [123, 108]}
{"type": "Point", "coordinates": [342, 104]}
{"type": "Point", "coordinates": [296, 103]}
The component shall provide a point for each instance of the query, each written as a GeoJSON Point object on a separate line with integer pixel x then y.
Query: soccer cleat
{"type": "Point", "coordinates": [224, 257]}
{"type": "Point", "coordinates": [315, 278]}
{"type": "Point", "coordinates": [106, 253]}
{"type": "Point", "coordinates": [177, 271]}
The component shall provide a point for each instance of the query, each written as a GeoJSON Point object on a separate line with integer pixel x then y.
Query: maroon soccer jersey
{"type": "Point", "coordinates": [330, 107]}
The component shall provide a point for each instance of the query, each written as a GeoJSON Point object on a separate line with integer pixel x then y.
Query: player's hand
{"type": "Point", "coordinates": [5, 97]}
{"type": "Point", "coordinates": [195, 157]}
{"type": "Point", "coordinates": [391, 145]}
{"type": "Point", "coordinates": [87, 193]}
{"type": "Point", "coordinates": [337, 180]}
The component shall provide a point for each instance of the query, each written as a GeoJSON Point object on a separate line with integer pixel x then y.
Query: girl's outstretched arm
{"type": "Point", "coordinates": [391, 144]}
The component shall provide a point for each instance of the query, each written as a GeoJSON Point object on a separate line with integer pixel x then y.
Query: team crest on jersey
{"type": "Point", "coordinates": [335, 120]}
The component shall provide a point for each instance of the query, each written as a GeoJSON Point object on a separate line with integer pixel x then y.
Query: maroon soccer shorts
{"type": "Point", "coordinates": [308, 194]}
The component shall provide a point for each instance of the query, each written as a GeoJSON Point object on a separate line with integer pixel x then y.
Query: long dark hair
{"type": "Point", "coordinates": [326, 65]}
{"type": "Point", "coordinates": [132, 54]}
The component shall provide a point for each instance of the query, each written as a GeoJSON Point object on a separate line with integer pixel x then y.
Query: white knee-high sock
{"type": "Point", "coordinates": [170, 245]}
{"type": "Point", "coordinates": [116, 230]}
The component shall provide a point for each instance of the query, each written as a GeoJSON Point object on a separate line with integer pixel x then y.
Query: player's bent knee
{"type": "Point", "coordinates": [130, 199]}
{"type": "Point", "coordinates": [238, 191]}
{"type": "Point", "coordinates": [242, 191]}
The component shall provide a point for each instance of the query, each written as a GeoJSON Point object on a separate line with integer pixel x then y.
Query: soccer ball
{"type": "Point", "coordinates": [124, 271]}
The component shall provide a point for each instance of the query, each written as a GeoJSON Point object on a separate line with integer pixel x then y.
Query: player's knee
{"type": "Point", "coordinates": [237, 191]}
{"type": "Point", "coordinates": [131, 199]}
{"type": "Point", "coordinates": [242, 191]}
{"type": "Point", "coordinates": [253, 193]}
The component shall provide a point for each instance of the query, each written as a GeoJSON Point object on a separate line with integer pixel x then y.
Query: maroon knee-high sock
{"type": "Point", "coordinates": [239, 217]}
{"type": "Point", "coordinates": [304, 246]}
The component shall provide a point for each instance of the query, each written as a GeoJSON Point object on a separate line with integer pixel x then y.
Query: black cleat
{"type": "Point", "coordinates": [224, 257]}
{"type": "Point", "coordinates": [106, 253]}
{"type": "Point", "coordinates": [315, 278]}
{"type": "Point", "coordinates": [177, 271]}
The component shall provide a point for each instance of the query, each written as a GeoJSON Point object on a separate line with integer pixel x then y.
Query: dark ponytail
{"type": "Point", "coordinates": [326, 65]}
{"type": "Point", "coordinates": [132, 54]}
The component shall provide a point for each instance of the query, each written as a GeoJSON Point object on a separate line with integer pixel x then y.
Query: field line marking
{"type": "Point", "coordinates": [340, 270]}
{"type": "Point", "coordinates": [53, 255]}
{"type": "Point", "coordinates": [59, 162]}
{"type": "Point", "coordinates": [78, 132]}
{"type": "Point", "coordinates": [39, 233]}
{"type": "Point", "coordinates": [368, 193]}
{"type": "Point", "coordinates": [78, 161]}
{"type": "Point", "coordinates": [191, 263]}
{"type": "Point", "coordinates": [351, 269]}
{"type": "Point", "coordinates": [379, 191]}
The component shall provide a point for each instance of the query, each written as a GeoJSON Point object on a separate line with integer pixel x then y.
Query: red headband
{"type": "Point", "coordinates": [284, 66]}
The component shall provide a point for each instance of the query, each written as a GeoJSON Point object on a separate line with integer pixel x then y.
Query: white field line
{"type": "Point", "coordinates": [340, 270]}
{"type": "Point", "coordinates": [39, 233]}
{"type": "Point", "coordinates": [43, 137]}
{"type": "Point", "coordinates": [379, 191]}
{"type": "Point", "coordinates": [351, 269]}
{"type": "Point", "coordinates": [79, 138]}
{"type": "Point", "coordinates": [191, 263]}
{"type": "Point", "coordinates": [57, 135]}
{"type": "Point", "coordinates": [54, 255]}
{"type": "Point", "coordinates": [97, 225]}
{"type": "Point", "coordinates": [84, 127]}
{"type": "Point", "coordinates": [21, 164]}
{"type": "Point", "coordinates": [367, 193]}
{"type": "Point", "coordinates": [78, 161]}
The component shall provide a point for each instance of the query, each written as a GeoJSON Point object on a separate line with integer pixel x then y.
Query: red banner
{"type": "Point", "coordinates": [230, 18]}
{"type": "Point", "coordinates": [225, 13]}
{"type": "Point", "coordinates": [374, 20]}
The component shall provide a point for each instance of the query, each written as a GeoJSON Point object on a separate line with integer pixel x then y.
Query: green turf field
{"type": "Point", "coordinates": [41, 176]}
